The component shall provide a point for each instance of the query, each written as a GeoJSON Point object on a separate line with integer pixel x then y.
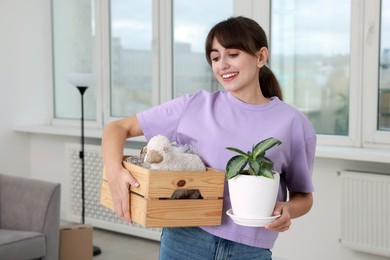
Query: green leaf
{"type": "Point", "coordinates": [260, 148]}
{"type": "Point", "coordinates": [255, 166]}
{"type": "Point", "coordinates": [265, 163]}
{"type": "Point", "coordinates": [235, 166]}
{"type": "Point", "coordinates": [267, 173]}
{"type": "Point", "coordinates": [261, 166]}
{"type": "Point", "coordinates": [238, 151]}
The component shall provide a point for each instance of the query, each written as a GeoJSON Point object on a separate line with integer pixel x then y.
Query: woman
{"type": "Point", "coordinates": [248, 110]}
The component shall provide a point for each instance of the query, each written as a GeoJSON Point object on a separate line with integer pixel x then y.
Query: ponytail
{"type": "Point", "coordinates": [269, 84]}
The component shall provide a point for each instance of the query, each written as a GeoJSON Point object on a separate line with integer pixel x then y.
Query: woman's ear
{"type": "Point", "coordinates": [262, 57]}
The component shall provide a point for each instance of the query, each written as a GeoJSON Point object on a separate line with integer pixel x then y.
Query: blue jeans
{"type": "Point", "coordinates": [194, 243]}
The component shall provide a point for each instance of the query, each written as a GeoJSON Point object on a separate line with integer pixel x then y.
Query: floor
{"type": "Point", "coordinates": [117, 246]}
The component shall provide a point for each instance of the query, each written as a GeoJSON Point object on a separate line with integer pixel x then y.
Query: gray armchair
{"type": "Point", "coordinates": [29, 218]}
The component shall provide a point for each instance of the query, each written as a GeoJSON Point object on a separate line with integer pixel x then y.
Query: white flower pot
{"type": "Point", "coordinates": [253, 197]}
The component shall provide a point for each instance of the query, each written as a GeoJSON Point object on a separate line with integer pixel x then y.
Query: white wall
{"type": "Point", "coordinates": [25, 80]}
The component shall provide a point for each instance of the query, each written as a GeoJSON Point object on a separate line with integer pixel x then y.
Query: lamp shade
{"type": "Point", "coordinates": [81, 79]}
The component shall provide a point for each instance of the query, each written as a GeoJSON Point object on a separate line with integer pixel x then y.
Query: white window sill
{"type": "Point", "coordinates": [67, 131]}
{"type": "Point", "coordinates": [353, 154]}
{"type": "Point", "coordinates": [329, 152]}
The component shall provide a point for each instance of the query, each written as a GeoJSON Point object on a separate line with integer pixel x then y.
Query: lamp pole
{"type": "Point", "coordinates": [82, 81]}
{"type": "Point", "coordinates": [82, 90]}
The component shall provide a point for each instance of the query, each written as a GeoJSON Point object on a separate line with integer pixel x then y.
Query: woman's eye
{"type": "Point", "coordinates": [233, 55]}
{"type": "Point", "coordinates": [215, 59]}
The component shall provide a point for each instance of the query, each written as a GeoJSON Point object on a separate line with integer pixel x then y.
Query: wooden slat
{"type": "Point", "coordinates": [162, 184]}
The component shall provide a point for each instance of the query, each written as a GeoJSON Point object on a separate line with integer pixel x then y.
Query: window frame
{"type": "Point", "coordinates": [371, 135]}
{"type": "Point", "coordinates": [364, 60]}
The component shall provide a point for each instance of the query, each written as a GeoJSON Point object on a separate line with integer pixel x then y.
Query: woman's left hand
{"type": "Point", "coordinates": [282, 223]}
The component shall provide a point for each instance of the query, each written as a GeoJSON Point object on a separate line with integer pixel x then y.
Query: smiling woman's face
{"type": "Point", "coordinates": [236, 70]}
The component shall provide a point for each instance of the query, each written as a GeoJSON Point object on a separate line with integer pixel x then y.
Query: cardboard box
{"type": "Point", "coordinates": [152, 207]}
{"type": "Point", "coordinates": [76, 242]}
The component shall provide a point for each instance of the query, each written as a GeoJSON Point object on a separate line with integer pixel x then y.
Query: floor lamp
{"type": "Point", "coordinates": [82, 81]}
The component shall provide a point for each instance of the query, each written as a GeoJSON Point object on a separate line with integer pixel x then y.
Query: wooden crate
{"type": "Point", "coordinates": [152, 207]}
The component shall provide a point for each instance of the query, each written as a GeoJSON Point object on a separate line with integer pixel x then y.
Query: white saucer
{"type": "Point", "coordinates": [260, 222]}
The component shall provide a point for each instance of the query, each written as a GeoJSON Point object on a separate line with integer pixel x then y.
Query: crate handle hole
{"type": "Point", "coordinates": [186, 194]}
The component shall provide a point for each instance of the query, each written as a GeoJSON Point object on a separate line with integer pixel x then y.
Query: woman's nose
{"type": "Point", "coordinates": [224, 64]}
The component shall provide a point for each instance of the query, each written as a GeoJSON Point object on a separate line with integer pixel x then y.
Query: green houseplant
{"type": "Point", "coordinates": [253, 184]}
{"type": "Point", "coordinates": [259, 165]}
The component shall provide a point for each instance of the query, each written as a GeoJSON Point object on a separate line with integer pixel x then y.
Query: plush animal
{"type": "Point", "coordinates": [163, 156]}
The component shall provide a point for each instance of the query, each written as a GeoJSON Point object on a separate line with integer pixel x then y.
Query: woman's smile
{"type": "Point", "coordinates": [229, 76]}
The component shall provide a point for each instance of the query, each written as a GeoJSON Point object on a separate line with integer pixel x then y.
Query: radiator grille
{"type": "Point", "coordinates": [366, 212]}
{"type": "Point", "coordinates": [95, 214]}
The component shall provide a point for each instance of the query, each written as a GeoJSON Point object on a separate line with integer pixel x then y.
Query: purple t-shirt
{"type": "Point", "coordinates": [210, 122]}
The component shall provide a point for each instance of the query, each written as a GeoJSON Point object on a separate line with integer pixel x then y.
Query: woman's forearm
{"type": "Point", "coordinates": [113, 141]}
{"type": "Point", "coordinates": [114, 137]}
{"type": "Point", "coordinates": [299, 204]}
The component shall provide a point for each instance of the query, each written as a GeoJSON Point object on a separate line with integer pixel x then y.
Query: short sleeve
{"type": "Point", "coordinates": [163, 119]}
{"type": "Point", "coordinates": [300, 169]}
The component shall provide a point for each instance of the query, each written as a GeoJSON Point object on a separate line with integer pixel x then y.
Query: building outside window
{"type": "Point", "coordinates": [130, 57]}
{"type": "Point", "coordinates": [145, 52]}
{"type": "Point", "coordinates": [74, 45]}
{"type": "Point", "coordinates": [310, 54]}
{"type": "Point", "coordinates": [190, 69]}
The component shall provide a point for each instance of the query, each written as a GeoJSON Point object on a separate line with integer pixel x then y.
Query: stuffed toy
{"type": "Point", "coordinates": [161, 154]}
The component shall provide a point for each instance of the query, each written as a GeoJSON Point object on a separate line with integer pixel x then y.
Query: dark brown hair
{"type": "Point", "coordinates": [245, 34]}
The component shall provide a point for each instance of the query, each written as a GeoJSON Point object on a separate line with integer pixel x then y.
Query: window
{"type": "Point", "coordinates": [130, 56]}
{"type": "Point", "coordinates": [134, 80]}
{"type": "Point", "coordinates": [191, 71]}
{"type": "Point", "coordinates": [310, 54]}
{"type": "Point", "coordinates": [328, 55]}
{"type": "Point", "coordinates": [73, 52]}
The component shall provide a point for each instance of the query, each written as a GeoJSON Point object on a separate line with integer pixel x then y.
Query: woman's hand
{"type": "Point", "coordinates": [282, 223]}
{"type": "Point", "coordinates": [299, 204]}
{"type": "Point", "coordinates": [119, 183]}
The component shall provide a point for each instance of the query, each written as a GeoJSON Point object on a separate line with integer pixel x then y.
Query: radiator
{"type": "Point", "coordinates": [365, 223]}
{"type": "Point", "coordinates": [95, 214]}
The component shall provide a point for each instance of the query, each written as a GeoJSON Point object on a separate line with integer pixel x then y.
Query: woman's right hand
{"type": "Point", "coordinates": [119, 182]}
{"type": "Point", "coordinates": [119, 179]}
